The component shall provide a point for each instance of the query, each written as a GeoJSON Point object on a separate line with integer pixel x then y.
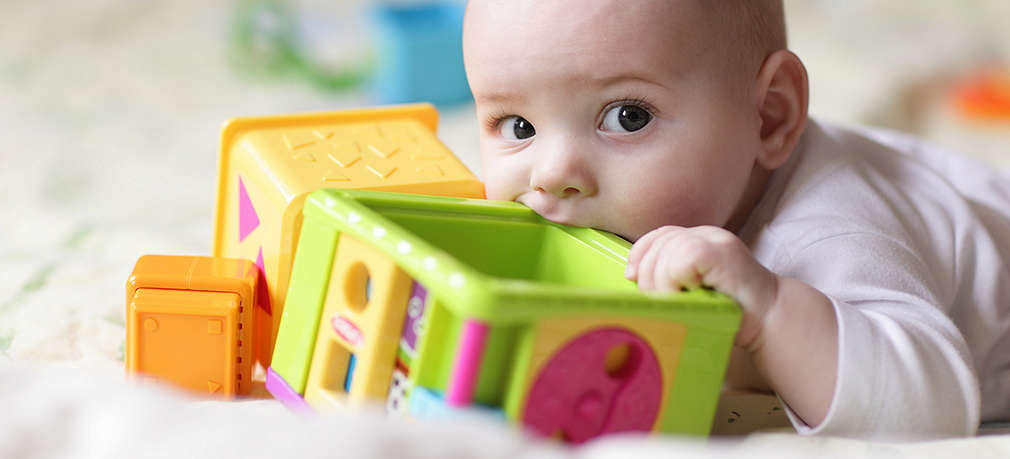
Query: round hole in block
{"type": "Point", "coordinates": [621, 360]}
{"type": "Point", "coordinates": [357, 287]}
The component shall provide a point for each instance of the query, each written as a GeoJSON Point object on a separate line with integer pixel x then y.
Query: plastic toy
{"type": "Point", "coordinates": [188, 321]}
{"type": "Point", "coordinates": [267, 166]}
{"type": "Point", "coordinates": [419, 52]}
{"type": "Point", "coordinates": [427, 303]}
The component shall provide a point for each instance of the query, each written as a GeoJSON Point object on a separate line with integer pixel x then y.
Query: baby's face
{"type": "Point", "coordinates": [611, 115]}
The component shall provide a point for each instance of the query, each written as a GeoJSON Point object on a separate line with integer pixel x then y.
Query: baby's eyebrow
{"type": "Point", "coordinates": [608, 80]}
{"type": "Point", "coordinates": [499, 97]}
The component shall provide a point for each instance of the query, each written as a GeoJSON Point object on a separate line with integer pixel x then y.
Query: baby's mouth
{"type": "Point", "coordinates": [553, 208]}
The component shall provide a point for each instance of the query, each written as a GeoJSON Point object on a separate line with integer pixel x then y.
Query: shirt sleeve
{"type": "Point", "coordinates": [904, 369]}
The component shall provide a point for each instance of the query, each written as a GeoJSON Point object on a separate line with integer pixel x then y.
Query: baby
{"type": "Point", "coordinates": [871, 269]}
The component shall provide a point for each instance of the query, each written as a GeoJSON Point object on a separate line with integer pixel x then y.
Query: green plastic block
{"type": "Point", "coordinates": [501, 264]}
{"type": "Point", "coordinates": [296, 337]}
{"type": "Point", "coordinates": [437, 348]}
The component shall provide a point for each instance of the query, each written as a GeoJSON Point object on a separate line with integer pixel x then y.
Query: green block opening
{"type": "Point", "coordinates": [516, 249]}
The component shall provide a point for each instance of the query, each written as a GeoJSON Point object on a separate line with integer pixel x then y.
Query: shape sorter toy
{"type": "Point", "coordinates": [267, 165]}
{"type": "Point", "coordinates": [188, 321]}
{"type": "Point", "coordinates": [429, 303]}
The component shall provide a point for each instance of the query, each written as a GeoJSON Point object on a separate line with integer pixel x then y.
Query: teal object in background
{"type": "Point", "coordinates": [398, 51]}
{"type": "Point", "coordinates": [419, 53]}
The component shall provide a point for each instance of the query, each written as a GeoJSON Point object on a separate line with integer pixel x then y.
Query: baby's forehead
{"type": "Point", "coordinates": [669, 38]}
{"type": "Point", "coordinates": [593, 19]}
{"type": "Point", "coordinates": [657, 36]}
{"type": "Point", "coordinates": [698, 25]}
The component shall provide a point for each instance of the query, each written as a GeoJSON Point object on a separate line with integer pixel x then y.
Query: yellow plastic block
{"type": "Point", "coordinates": [189, 322]}
{"type": "Point", "coordinates": [267, 165]}
{"type": "Point", "coordinates": [550, 335]}
{"type": "Point", "coordinates": [363, 315]}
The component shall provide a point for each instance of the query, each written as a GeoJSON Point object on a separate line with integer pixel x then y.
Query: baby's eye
{"type": "Point", "coordinates": [516, 128]}
{"type": "Point", "coordinates": [625, 118]}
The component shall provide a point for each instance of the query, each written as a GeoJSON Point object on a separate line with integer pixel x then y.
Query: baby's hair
{"type": "Point", "coordinates": [754, 29]}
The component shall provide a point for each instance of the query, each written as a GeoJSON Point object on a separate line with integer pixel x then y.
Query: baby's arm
{"type": "Point", "coordinates": [787, 326]}
{"type": "Point", "coordinates": [862, 346]}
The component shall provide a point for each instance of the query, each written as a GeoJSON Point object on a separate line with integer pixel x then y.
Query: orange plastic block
{"type": "Point", "coordinates": [269, 164]}
{"type": "Point", "coordinates": [189, 322]}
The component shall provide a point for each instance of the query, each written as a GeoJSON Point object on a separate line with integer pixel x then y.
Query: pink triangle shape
{"type": "Point", "coordinates": [248, 220]}
{"type": "Point", "coordinates": [262, 292]}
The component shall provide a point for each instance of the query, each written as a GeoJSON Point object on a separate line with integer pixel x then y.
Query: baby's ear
{"type": "Point", "coordinates": [782, 93]}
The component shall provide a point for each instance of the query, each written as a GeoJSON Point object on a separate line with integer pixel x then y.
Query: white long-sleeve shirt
{"type": "Point", "coordinates": [912, 246]}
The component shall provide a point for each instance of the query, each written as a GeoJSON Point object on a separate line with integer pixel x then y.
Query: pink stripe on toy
{"type": "Point", "coordinates": [263, 295]}
{"type": "Point", "coordinates": [469, 353]}
{"type": "Point", "coordinates": [248, 220]}
{"type": "Point", "coordinates": [280, 389]}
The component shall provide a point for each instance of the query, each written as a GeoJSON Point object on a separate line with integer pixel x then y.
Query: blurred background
{"type": "Point", "coordinates": [110, 113]}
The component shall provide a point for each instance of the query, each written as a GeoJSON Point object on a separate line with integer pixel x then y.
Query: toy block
{"type": "Point", "coordinates": [189, 322]}
{"type": "Point", "coordinates": [311, 271]}
{"type": "Point", "coordinates": [503, 304]}
{"type": "Point", "coordinates": [359, 333]}
{"type": "Point", "coordinates": [267, 166]}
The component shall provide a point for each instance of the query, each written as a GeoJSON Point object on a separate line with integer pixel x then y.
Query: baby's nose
{"type": "Point", "coordinates": [568, 191]}
{"type": "Point", "coordinates": [564, 170]}
{"type": "Point", "coordinates": [562, 180]}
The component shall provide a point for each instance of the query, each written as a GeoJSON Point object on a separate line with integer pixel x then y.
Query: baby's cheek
{"type": "Point", "coordinates": [496, 186]}
{"type": "Point", "coordinates": [502, 181]}
{"type": "Point", "coordinates": [496, 195]}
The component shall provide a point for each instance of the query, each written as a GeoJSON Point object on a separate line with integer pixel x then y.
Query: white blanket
{"type": "Point", "coordinates": [60, 411]}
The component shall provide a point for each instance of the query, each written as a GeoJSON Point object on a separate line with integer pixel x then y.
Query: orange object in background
{"type": "Point", "coordinates": [189, 321]}
{"type": "Point", "coordinates": [984, 95]}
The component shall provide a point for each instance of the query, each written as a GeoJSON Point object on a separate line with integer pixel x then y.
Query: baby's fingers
{"type": "Point", "coordinates": [676, 273]}
{"type": "Point", "coordinates": [641, 248]}
{"type": "Point", "coordinates": [676, 259]}
{"type": "Point", "coordinates": [652, 272]}
{"type": "Point", "coordinates": [645, 271]}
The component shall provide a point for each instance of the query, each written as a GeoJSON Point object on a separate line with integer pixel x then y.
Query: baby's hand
{"type": "Point", "coordinates": [672, 257]}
